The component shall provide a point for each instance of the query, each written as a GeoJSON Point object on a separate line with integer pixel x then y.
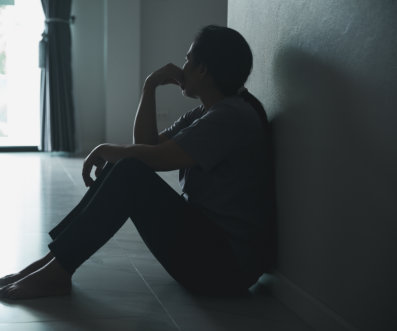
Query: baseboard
{"type": "Point", "coordinates": [309, 309]}
{"type": "Point", "coordinates": [19, 149]}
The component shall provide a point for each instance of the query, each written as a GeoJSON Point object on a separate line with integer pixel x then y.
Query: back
{"type": "Point", "coordinates": [233, 182]}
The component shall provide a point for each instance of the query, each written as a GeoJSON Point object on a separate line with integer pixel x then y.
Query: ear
{"type": "Point", "coordinates": [202, 70]}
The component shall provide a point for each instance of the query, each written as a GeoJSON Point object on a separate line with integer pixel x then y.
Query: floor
{"type": "Point", "coordinates": [121, 287]}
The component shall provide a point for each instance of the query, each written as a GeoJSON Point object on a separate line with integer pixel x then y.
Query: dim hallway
{"type": "Point", "coordinates": [122, 286]}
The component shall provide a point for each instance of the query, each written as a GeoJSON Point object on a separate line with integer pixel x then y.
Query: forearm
{"type": "Point", "coordinates": [149, 154]}
{"type": "Point", "coordinates": [154, 157]}
{"type": "Point", "coordinates": [145, 126]}
{"type": "Point", "coordinates": [161, 157]}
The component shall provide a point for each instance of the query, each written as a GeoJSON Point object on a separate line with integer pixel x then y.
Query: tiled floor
{"type": "Point", "coordinates": [121, 287]}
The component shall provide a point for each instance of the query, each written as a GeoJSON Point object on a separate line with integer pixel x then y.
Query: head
{"type": "Point", "coordinates": [218, 55]}
{"type": "Point", "coordinates": [221, 58]}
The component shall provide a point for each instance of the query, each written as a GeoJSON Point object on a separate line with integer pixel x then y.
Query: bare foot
{"type": "Point", "coordinates": [9, 279]}
{"type": "Point", "coordinates": [50, 280]}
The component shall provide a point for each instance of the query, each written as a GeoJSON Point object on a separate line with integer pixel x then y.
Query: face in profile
{"type": "Point", "coordinates": [190, 76]}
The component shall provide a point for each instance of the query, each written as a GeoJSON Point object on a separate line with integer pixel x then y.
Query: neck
{"type": "Point", "coordinates": [211, 97]}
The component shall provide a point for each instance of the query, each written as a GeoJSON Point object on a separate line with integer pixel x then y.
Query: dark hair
{"type": "Point", "coordinates": [228, 59]}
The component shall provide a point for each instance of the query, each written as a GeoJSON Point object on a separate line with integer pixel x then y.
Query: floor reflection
{"type": "Point", "coordinates": [20, 201]}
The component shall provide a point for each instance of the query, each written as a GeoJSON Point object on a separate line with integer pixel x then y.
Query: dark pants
{"type": "Point", "coordinates": [193, 250]}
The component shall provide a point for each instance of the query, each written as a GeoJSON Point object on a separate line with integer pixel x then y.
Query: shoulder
{"type": "Point", "coordinates": [234, 104]}
{"type": "Point", "coordinates": [235, 109]}
{"type": "Point", "coordinates": [194, 113]}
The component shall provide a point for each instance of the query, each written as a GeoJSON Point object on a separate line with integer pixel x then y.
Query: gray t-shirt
{"type": "Point", "coordinates": [231, 183]}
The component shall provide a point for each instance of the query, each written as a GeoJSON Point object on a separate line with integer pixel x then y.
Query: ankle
{"type": "Point", "coordinates": [60, 270]}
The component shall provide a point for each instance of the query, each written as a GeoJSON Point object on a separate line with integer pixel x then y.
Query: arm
{"type": "Point", "coordinates": [145, 126]}
{"type": "Point", "coordinates": [161, 157]}
{"type": "Point", "coordinates": [167, 156]}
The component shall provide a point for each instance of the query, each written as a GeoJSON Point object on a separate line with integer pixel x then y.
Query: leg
{"type": "Point", "coordinates": [189, 246]}
{"type": "Point", "coordinates": [82, 204]}
{"type": "Point", "coordinates": [8, 279]}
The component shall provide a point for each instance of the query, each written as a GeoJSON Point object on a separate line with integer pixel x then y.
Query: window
{"type": "Point", "coordinates": [21, 26]}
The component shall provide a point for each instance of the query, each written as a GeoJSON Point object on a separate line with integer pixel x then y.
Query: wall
{"type": "Point", "coordinates": [88, 72]}
{"type": "Point", "coordinates": [115, 45]}
{"type": "Point", "coordinates": [326, 72]}
{"type": "Point", "coordinates": [122, 67]}
{"type": "Point", "coordinates": [168, 28]}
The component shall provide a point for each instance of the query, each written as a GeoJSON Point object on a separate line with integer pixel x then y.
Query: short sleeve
{"type": "Point", "coordinates": [212, 137]}
{"type": "Point", "coordinates": [182, 122]}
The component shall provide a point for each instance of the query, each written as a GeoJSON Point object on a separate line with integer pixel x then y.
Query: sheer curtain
{"type": "Point", "coordinates": [57, 110]}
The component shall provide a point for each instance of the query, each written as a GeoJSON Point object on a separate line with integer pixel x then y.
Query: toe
{"type": "Point", "coordinates": [4, 291]}
{"type": "Point", "coordinates": [12, 293]}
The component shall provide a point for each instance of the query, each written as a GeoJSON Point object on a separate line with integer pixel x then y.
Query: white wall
{"type": "Point", "coordinates": [326, 72]}
{"type": "Point", "coordinates": [115, 45]}
{"type": "Point", "coordinates": [122, 68]}
{"type": "Point", "coordinates": [88, 72]}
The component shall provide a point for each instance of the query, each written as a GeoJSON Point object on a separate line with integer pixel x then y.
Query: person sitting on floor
{"type": "Point", "coordinates": [217, 237]}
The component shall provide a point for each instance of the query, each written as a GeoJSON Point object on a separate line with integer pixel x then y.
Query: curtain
{"type": "Point", "coordinates": [56, 102]}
